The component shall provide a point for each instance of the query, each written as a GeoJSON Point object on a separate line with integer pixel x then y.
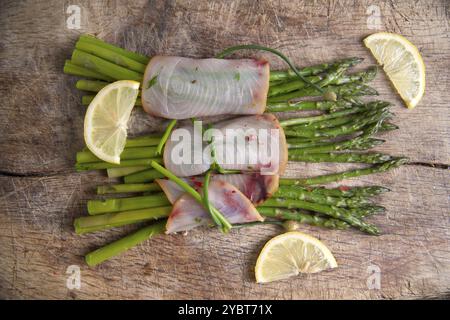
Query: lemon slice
{"type": "Point", "coordinates": [402, 63]}
{"type": "Point", "coordinates": [105, 123]}
{"type": "Point", "coordinates": [292, 253]}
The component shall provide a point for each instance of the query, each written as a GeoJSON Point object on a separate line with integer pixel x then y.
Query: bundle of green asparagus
{"type": "Point", "coordinates": [344, 128]}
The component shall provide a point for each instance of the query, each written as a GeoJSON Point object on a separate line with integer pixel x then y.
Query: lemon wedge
{"type": "Point", "coordinates": [105, 123]}
{"type": "Point", "coordinates": [402, 63]}
{"type": "Point", "coordinates": [292, 253]}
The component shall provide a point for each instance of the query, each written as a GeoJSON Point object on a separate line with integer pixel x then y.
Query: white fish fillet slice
{"type": "Point", "coordinates": [257, 188]}
{"type": "Point", "coordinates": [231, 154]}
{"type": "Point", "coordinates": [183, 88]}
{"type": "Point", "coordinates": [187, 213]}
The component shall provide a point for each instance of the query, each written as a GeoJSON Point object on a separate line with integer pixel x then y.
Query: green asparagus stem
{"type": "Point", "coordinates": [132, 55]}
{"type": "Point", "coordinates": [142, 163]}
{"type": "Point", "coordinates": [369, 158]}
{"type": "Point", "coordinates": [104, 67]}
{"type": "Point", "coordinates": [329, 123]}
{"type": "Point", "coordinates": [325, 117]}
{"type": "Point", "coordinates": [349, 89]}
{"type": "Point", "coordinates": [326, 123]}
{"type": "Point", "coordinates": [124, 204]}
{"type": "Point", "coordinates": [329, 78]}
{"type": "Point", "coordinates": [299, 194]}
{"type": "Point", "coordinates": [127, 154]}
{"type": "Point", "coordinates": [143, 141]}
{"type": "Point", "coordinates": [366, 211]}
{"type": "Point", "coordinates": [226, 226]}
{"type": "Point", "coordinates": [313, 70]}
{"type": "Point", "coordinates": [341, 191]}
{"type": "Point", "coordinates": [369, 123]}
{"type": "Point", "coordinates": [304, 105]}
{"type": "Point", "coordinates": [290, 86]}
{"type": "Point", "coordinates": [364, 76]}
{"type": "Point", "coordinates": [120, 172]}
{"type": "Point", "coordinates": [357, 143]}
{"type": "Point", "coordinates": [117, 219]}
{"type": "Point", "coordinates": [294, 144]}
{"type": "Point", "coordinates": [110, 56]}
{"type": "Point", "coordinates": [70, 68]}
{"type": "Point", "coordinates": [383, 167]}
{"type": "Point", "coordinates": [117, 247]}
{"type": "Point", "coordinates": [126, 188]}
{"type": "Point", "coordinates": [335, 212]}
{"type": "Point", "coordinates": [91, 85]}
{"type": "Point", "coordinates": [143, 176]}
{"type": "Point", "coordinates": [303, 217]}
{"type": "Point", "coordinates": [386, 126]}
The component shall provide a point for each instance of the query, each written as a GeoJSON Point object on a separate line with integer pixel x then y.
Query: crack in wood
{"type": "Point", "coordinates": [33, 174]}
{"type": "Point", "coordinates": [430, 165]}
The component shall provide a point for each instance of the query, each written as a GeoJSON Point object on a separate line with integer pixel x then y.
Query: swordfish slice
{"type": "Point", "coordinates": [187, 213]}
{"type": "Point", "coordinates": [249, 144]}
{"type": "Point", "coordinates": [183, 88]}
{"type": "Point", "coordinates": [257, 188]}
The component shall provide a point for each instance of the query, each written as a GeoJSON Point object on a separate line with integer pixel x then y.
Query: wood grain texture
{"type": "Point", "coordinates": [41, 129]}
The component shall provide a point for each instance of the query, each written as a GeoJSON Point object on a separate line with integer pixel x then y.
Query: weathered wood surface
{"type": "Point", "coordinates": [41, 129]}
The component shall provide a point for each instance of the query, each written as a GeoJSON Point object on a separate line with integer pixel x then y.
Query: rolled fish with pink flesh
{"type": "Point", "coordinates": [256, 187]}
{"type": "Point", "coordinates": [246, 144]}
{"type": "Point", "coordinates": [183, 88]}
{"type": "Point", "coordinates": [188, 214]}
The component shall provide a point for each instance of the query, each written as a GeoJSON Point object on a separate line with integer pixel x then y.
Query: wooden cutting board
{"type": "Point", "coordinates": [41, 129]}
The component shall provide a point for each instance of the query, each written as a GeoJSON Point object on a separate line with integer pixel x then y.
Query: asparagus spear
{"type": "Point", "coordinates": [298, 194]}
{"type": "Point", "coordinates": [91, 85]}
{"type": "Point", "coordinates": [124, 188]}
{"type": "Point", "coordinates": [124, 204]}
{"type": "Point", "coordinates": [325, 117]}
{"type": "Point", "coordinates": [309, 105]}
{"type": "Point", "coordinates": [333, 177]}
{"type": "Point", "coordinates": [363, 76]}
{"type": "Point", "coordinates": [357, 143]}
{"type": "Point", "coordinates": [349, 89]}
{"type": "Point", "coordinates": [143, 141]}
{"type": "Point", "coordinates": [303, 217]}
{"type": "Point", "coordinates": [73, 69]}
{"type": "Point", "coordinates": [285, 184]}
{"type": "Point", "coordinates": [120, 172]}
{"type": "Point", "coordinates": [342, 191]}
{"type": "Point", "coordinates": [143, 176]}
{"type": "Point", "coordinates": [117, 247]}
{"type": "Point", "coordinates": [103, 66]}
{"type": "Point", "coordinates": [131, 55]}
{"type": "Point", "coordinates": [313, 70]}
{"type": "Point", "coordinates": [117, 219]}
{"type": "Point", "coordinates": [290, 86]}
{"type": "Point", "coordinates": [372, 158]}
{"type": "Point", "coordinates": [321, 81]}
{"type": "Point", "coordinates": [369, 123]}
{"type": "Point", "coordinates": [333, 122]}
{"type": "Point", "coordinates": [110, 56]}
{"type": "Point", "coordinates": [141, 163]}
{"type": "Point", "coordinates": [334, 76]}
{"type": "Point", "coordinates": [130, 153]}
{"type": "Point", "coordinates": [335, 212]}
